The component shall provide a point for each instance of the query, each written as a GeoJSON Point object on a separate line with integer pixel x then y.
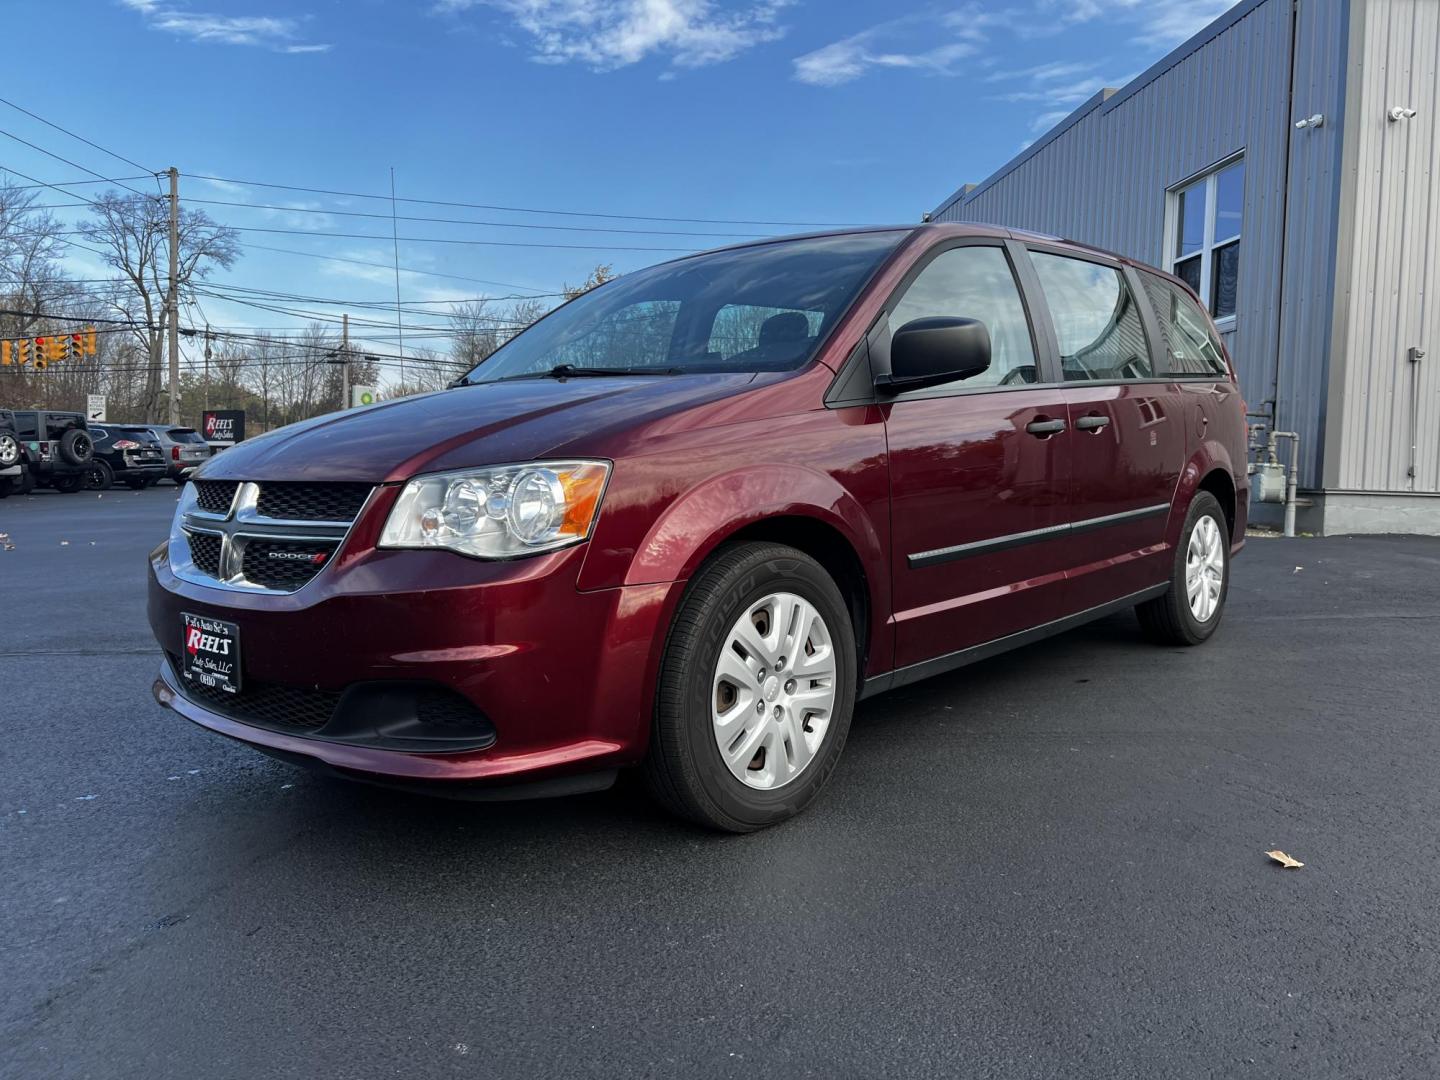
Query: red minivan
{"type": "Point", "coordinates": [687, 520]}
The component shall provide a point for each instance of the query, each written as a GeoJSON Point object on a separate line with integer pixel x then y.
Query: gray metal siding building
{"type": "Point", "coordinates": [1317, 246]}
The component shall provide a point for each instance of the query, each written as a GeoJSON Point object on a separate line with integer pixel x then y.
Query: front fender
{"type": "Point", "coordinates": [700, 520]}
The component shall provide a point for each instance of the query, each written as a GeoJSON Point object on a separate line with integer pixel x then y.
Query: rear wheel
{"type": "Point", "coordinates": [756, 690]}
{"type": "Point", "coordinates": [1190, 610]}
{"type": "Point", "coordinates": [68, 485]}
{"type": "Point", "coordinates": [136, 483]}
{"type": "Point", "coordinates": [9, 450]}
{"type": "Point", "coordinates": [99, 476]}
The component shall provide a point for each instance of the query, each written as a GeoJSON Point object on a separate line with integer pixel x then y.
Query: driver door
{"type": "Point", "coordinates": [978, 472]}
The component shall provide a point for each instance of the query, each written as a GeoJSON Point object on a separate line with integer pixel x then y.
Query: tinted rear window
{"type": "Point", "coordinates": [189, 435]}
{"type": "Point", "coordinates": [760, 308]}
{"type": "Point", "coordinates": [1185, 330]}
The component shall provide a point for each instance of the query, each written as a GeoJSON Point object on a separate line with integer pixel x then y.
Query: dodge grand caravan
{"type": "Point", "coordinates": [686, 521]}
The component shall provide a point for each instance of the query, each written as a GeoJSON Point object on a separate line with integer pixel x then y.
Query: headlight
{"type": "Point", "coordinates": [501, 512]}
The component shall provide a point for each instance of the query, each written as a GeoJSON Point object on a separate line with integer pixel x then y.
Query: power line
{"type": "Point", "coordinates": [468, 221]}
{"type": "Point", "coordinates": [447, 240]}
{"type": "Point", "coordinates": [385, 266]}
{"type": "Point", "coordinates": [81, 183]}
{"type": "Point", "coordinates": [87, 142]}
{"type": "Point", "coordinates": [67, 161]}
{"type": "Point", "coordinates": [527, 209]}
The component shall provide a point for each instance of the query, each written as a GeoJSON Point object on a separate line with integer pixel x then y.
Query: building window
{"type": "Point", "coordinates": [1206, 248]}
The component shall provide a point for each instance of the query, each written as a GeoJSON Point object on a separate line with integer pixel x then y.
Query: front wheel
{"type": "Point", "coordinates": [1190, 610]}
{"type": "Point", "coordinates": [99, 476]}
{"type": "Point", "coordinates": [756, 690]}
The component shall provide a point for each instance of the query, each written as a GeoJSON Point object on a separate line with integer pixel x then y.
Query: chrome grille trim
{"type": "Point", "coordinates": [238, 526]}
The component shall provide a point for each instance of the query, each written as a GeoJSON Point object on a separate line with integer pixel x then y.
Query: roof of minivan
{"type": "Point", "coordinates": [941, 229]}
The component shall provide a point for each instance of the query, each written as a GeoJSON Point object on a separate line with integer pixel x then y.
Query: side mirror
{"type": "Point", "coordinates": [926, 352]}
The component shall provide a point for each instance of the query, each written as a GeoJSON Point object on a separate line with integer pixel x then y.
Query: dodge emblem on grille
{"type": "Point", "coordinates": [298, 556]}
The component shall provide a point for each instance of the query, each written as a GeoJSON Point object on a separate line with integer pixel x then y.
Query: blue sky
{"type": "Point", "coordinates": [759, 110]}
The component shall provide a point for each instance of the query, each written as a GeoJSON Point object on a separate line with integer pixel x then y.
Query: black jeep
{"type": "Point", "coordinates": [14, 466]}
{"type": "Point", "coordinates": [58, 445]}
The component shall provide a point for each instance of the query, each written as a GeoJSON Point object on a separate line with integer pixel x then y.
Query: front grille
{"type": "Point", "coordinates": [285, 708]}
{"type": "Point", "coordinates": [215, 496]}
{"type": "Point", "coordinates": [284, 565]}
{"type": "Point", "coordinates": [312, 502]}
{"type": "Point", "coordinates": [205, 552]}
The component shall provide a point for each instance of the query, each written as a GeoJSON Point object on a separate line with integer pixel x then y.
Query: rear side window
{"type": "Point", "coordinates": [57, 425]}
{"type": "Point", "coordinates": [975, 283]}
{"type": "Point", "coordinates": [27, 425]}
{"type": "Point", "coordinates": [1184, 330]}
{"type": "Point", "coordinates": [1097, 322]}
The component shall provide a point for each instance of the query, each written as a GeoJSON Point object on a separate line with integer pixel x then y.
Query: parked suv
{"type": "Point", "coordinates": [130, 454]}
{"type": "Point", "coordinates": [185, 450]}
{"type": "Point", "coordinates": [14, 469]}
{"type": "Point", "coordinates": [686, 521]}
{"type": "Point", "coordinates": [58, 446]}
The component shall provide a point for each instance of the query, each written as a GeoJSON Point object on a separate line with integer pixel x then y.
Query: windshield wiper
{"type": "Point", "coordinates": [571, 371]}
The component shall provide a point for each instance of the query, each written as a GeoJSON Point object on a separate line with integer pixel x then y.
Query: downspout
{"type": "Point", "coordinates": [1285, 208]}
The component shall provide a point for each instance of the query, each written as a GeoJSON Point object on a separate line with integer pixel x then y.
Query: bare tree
{"type": "Point", "coordinates": [602, 273]}
{"type": "Point", "coordinates": [133, 230]}
{"type": "Point", "coordinates": [30, 252]}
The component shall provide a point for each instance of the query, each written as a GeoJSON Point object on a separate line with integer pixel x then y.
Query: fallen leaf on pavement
{"type": "Point", "coordinates": [1285, 860]}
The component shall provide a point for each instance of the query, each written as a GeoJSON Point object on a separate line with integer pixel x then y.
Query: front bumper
{"type": "Point", "coordinates": [564, 676]}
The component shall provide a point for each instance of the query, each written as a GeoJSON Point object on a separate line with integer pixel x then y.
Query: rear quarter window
{"type": "Point", "coordinates": [1190, 344]}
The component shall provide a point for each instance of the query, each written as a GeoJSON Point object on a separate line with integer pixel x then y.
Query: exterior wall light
{"type": "Point", "coordinates": [1399, 112]}
{"type": "Point", "coordinates": [1318, 120]}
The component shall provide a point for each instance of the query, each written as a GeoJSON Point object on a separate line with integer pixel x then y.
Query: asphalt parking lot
{"type": "Point", "coordinates": [1050, 864]}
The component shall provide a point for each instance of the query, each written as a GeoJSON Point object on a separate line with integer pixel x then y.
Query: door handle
{"type": "Point", "coordinates": [1091, 423]}
{"type": "Point", "coordinates": [1042, 428]}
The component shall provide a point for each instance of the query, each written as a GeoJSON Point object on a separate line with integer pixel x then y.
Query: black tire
{"type": "Point", "coordinates": [683, 769]}
{"type": "Point", "coordinates": [6, 486]}
{"type": "Point", "coordinates": [9, 450]}
{"type": "Point", "coordinates": [1168, 620]}
{"type": "Point", "coordinates": [68, 485]}
{"type": "Point", "coordinates": [99, 476]}
{"type": "Point", "coordinates": [76, 447]}
{"type": "Point", "coordinates": [135, 483]}
{"type": "Point", "coordinates": [27, 481]}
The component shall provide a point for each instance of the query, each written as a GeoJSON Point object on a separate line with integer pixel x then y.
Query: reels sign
{"type": "Point", "coordinates": [224, 427]}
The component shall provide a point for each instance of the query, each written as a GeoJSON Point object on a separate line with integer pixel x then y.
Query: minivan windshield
{"type": "Point", "coordinates": [761, 308]}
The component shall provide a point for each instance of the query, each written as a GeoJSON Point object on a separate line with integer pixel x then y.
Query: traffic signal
{"type": "Point", "coordinates": [38, 353]}
{"type": "Point", "coordinates": [5, 350]}
{"type": "Point", "coordinates": [75, 347]}
{"type": "Point", "coordinates": [55, 348]}
{"type": "Point", "coordinates": [90, 342]}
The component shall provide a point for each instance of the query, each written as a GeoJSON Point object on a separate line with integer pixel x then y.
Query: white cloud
{"type": "Point", "coordinates": [609, 34]}
{"type": "Point", "coordinates": [906, 42]}
{"type": "Point", "coordinates": [936, 44]}
{"type": "Point", "coordinates": [1157, 23]}
{"type": "Point", "coordinates": [275, 32]}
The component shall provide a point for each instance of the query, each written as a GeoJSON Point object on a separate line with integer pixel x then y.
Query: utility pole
{"type": "Point", "coordinates": [344, 361]}
{"type": "Point", "coordinates": [208, 339]}
{"type": "Point", "coordinates": [172, 301]}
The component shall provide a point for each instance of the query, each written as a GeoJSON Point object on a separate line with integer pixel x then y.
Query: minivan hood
{"type": "Point", "coordinates": [486, 424]}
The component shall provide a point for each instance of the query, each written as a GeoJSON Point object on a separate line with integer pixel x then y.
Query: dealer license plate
{"type": "Point", "coordinates": [212, 653]}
